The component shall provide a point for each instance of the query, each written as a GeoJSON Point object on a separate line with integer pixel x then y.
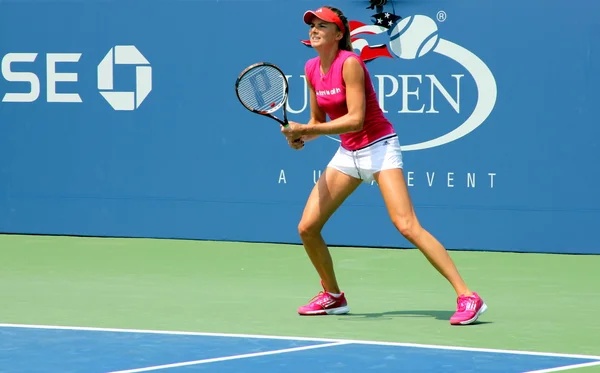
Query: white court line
{"type": "Point", "coordinates": [566, 367]}
{"type": "Point", "coordinates": [396, 344]}
{"type": "Point", "coordinates": [225, 358]}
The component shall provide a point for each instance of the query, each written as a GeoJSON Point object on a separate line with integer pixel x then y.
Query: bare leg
{"type": "Point", "coordinates": [332, 188]}
{"type": "Point", "coordinates": [395, 194]}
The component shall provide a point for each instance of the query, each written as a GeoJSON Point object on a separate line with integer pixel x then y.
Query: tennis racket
{"type": "Point", "coordinates": [263, 89]}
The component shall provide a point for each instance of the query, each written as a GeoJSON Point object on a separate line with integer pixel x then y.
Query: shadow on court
{"type": "Point", "coordinates": [436, 314]}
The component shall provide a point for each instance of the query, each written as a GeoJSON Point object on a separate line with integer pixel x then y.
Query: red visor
{"type": "Point", "coordinates": [326, 15]}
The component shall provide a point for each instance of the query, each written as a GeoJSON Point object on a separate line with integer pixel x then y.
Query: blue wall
{"type": "Point", "coordinates": [517, 82]}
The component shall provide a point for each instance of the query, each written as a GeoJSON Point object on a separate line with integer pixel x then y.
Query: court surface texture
{"type": "Point", "coordinates": [75, 304]}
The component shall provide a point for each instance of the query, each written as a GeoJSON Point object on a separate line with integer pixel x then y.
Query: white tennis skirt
{"type": "Point", "coordinates": [382, 154]}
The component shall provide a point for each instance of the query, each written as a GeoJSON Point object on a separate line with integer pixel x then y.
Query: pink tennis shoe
{"type": "Point", "coordinates": [325, 304]}
{"type": "Point", "coordinates": [468, 309]}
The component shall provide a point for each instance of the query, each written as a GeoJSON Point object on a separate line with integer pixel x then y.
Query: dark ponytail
{"type": "Point", "coordinates": [345, 43]}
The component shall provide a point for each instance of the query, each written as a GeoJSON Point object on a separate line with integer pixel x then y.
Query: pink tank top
{"type": "Point", "coordinates": [331, 97]}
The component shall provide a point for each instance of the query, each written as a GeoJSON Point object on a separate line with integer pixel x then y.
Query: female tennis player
{"type": "Point", "coordinates": [341, 88]}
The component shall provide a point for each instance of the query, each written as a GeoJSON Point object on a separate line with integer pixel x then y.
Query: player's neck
{"type": "Point", "coordinates": [327, 57]}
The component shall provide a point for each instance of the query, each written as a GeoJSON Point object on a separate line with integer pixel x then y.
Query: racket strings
{"type": "Point", "coordinates": [263, 89]}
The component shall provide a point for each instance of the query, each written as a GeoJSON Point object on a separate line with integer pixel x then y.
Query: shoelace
{"type": "Point", "coordinates": [316, 297]}
{"type": "Point", "coordinates": [462, 303]}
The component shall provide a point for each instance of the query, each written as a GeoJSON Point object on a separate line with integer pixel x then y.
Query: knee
{"type": "Point", "coordinates": [308, 229]}
{"type": "Point", "coordinates": [407, 225]}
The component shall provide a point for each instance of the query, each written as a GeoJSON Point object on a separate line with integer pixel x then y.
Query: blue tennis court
{"type": "Point", "coordinates": [30, 348]}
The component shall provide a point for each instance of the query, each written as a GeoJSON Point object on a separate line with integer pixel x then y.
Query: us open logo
{"type": "Point", "coordinates": [417, 35]}
{"type": "Point", "coordinates": [125, 55]}
{"type": "Point", "coordinates": [412, 38]}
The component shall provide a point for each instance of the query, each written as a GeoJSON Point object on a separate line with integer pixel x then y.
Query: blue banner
{"type": "Point", "coordinates": [119, 118]}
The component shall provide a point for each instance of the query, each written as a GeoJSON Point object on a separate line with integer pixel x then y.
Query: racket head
{"type": "Point", "coordinates": [262, 88]}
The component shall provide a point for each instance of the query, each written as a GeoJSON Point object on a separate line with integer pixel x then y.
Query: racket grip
{"type": "Point", "coordinates": [285, 124]}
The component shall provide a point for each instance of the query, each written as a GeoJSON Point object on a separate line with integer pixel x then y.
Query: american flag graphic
{"type": "Point", "coordinates": [359, 34]}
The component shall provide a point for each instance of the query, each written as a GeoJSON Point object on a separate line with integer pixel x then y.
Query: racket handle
{"type": "Point", "coordinates": [285, 124]}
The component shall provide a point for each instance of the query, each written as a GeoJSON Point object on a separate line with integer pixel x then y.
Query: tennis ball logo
{"type": "Point", "coordinates": [413, 37]}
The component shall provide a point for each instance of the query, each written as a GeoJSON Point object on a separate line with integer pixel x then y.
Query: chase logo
{"type": "Point", "coordinates": [27, 82]}
{"type": "Point", "coordinates": [125, 55]}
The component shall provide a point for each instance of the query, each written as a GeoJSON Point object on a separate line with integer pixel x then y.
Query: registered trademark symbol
{"type": "Point", "coordinates": [441, 16]}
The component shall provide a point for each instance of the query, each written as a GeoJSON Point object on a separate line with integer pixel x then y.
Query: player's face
{"type": "Point", "coordinates": [323, 33]}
